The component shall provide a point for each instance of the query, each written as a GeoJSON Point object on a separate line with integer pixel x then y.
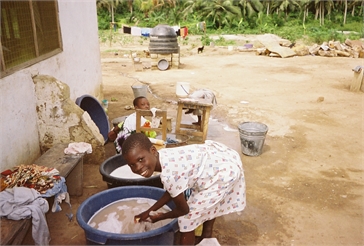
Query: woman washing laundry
{"type": "Point", "coordinates": [211, 171]}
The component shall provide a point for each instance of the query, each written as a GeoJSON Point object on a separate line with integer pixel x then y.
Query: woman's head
{"type": "Point", "coordinates": [141, 103]}
{"type": "Point", "coordinates": [141, 155]}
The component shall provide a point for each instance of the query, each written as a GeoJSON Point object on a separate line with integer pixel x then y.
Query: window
{"type": "Point", "coordinates": [29, 33]}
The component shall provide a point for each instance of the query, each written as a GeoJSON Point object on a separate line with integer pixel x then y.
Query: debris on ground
{"type": "Point", "coordinates": [283, 49]}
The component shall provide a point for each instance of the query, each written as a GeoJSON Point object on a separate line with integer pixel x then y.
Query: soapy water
{"type": "Point", "coordinates": [118, 217]}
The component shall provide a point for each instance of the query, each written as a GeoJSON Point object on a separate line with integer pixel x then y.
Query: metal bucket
{"type": "Point", "coordinates": [140, 90]}
{"type": "Point", "coordinates": [252, 136]}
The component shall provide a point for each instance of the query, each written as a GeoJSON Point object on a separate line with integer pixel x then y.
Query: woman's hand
{"type": "Point", "coordinates": [141, 217]}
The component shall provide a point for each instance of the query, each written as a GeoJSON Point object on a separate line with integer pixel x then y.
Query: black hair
{"type": "Point", "coordinates": [136, 100]}
{"type": "Point", "coordinates": [136, 140]}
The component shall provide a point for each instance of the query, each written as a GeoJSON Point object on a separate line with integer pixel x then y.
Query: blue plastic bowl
{"type": "Point", "coordinates": [92, 106]}
{"type": "Point", "coordinates": [160, 236]}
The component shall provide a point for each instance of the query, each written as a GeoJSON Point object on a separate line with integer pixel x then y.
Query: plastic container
{"type": "Point", "coordinates": [140, 90]}
{"type": "Point", "coordinates": [252, 136]}
{"type": "Point", "coordinates": [160, 236]}
{"type": "Point", "coordinates": [163, 64]}
{"type": "Point", "coordinates": [116, 161]}
{"type": "Point", "coordinates": [182, 89]}
{"type": "Point", "coordinates": [97, 113]}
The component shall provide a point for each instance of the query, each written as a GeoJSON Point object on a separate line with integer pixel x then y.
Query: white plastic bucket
{"type": "Point", "coordinates": [182, 89]}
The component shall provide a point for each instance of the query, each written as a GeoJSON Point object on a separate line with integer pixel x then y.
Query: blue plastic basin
{"type": "Point", "coordinates": [92, 106]}
{"type": "Point", "coordinates": [160, 236]}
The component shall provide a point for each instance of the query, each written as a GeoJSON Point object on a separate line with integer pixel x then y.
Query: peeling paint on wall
{"type": "Point", "coordinates": [60, 120]}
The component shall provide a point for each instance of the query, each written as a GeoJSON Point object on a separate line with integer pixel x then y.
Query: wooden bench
{"type": "Point", "coordinates": [69, 166]}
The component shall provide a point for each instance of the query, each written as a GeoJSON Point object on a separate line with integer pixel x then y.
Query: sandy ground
{"type": "Point", "coordinates": [307, 186]}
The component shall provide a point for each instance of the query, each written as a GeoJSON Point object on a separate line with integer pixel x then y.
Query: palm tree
{"type": "Point", "coordinates": [110, 5]}
{"type": "Point", "coordinates": [191, 7]}
{"type": "Point", "coordinates": [353, 4]}
{"type": "Point", "coordinates": [304, 5]}
{"type": "Point", "coordinates": [250, 7]}
{"type": "Point", "coordinates": [267, 5]}
{"type": "Point", "coordinates": [144, 6]}
{"type": "Point", "coordinates": [286, 6]}
{"type": "Point", "coordinates": [345, 11]}
{"type": "Point", "coordinates": [130, 5]}
{"type": "Point", "coordinates": [220, 12]}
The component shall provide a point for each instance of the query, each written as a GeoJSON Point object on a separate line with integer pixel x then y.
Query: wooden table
{"type": "Point", "coordinates": [200, 130]}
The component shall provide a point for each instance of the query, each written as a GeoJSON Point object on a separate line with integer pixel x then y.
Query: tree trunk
{"type": "Point", "coordinates": [112, 12]}
{"type": "Point", "coordinates": [316, 14]}
{"type": "Point", "coordinates": [345, 11]}
{"type": "Point", "coordinates": [322, 14]}
{"type": "Point", "coordinates": [304, 16]}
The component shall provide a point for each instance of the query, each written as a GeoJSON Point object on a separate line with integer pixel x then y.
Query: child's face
{"type": "Point", "coordinates": [143, 104]}
{"type": "Point", "coordinates": [141, 161]}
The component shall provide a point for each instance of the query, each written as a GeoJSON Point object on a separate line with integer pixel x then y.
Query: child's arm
{"type": "Point", "coordinates": [180, 209]}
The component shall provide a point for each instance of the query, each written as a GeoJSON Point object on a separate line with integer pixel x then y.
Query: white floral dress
{"type": "Point", "coordinates": [215, 175]}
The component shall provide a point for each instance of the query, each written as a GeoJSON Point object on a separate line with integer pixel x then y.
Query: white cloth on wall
{"type": "Point", "coordinates": [136, 31]}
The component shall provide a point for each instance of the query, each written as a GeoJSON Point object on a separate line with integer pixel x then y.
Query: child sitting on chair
{"type": "Point", "coordinates": [123, 130]}
{"type": "Point", "coordinates": [212, 171]}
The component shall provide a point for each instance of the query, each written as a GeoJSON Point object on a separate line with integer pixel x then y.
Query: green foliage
{"type": "Point", "coordinates": [283, 18]}
{"type": "Point", "coordinates": [142, 39]}
{"type": "Point", "coordinates": [115, 37]}
{"type": "Point", "coordinates": [185, 40]}
{"type": "Point", "coordinates": [206, 40]}
{"type": "Point", "coordinates": [103, 19]}
{"type": "Point", "coordinates": [223, 42]}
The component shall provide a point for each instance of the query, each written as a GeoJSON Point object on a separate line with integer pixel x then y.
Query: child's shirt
{"type": "Point", "coordinates": [213, 172]}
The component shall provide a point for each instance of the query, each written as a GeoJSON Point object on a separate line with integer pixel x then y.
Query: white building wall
{"type": "Point", "coordinates": [79, 66]}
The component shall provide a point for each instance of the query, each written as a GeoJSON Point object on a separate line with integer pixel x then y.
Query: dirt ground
{"type": "Point", "coordinates": [307, 186]}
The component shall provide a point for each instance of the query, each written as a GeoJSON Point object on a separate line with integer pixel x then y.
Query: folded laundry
{"type": "Point", "coordinates": [78, 148]}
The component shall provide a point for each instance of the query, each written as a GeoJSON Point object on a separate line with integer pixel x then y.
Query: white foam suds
{"type": "Point", "coordinates": [118, 217]}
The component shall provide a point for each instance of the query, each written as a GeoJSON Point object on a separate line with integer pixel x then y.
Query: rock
{"type": "Point", "coordinates": [320, 99]}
